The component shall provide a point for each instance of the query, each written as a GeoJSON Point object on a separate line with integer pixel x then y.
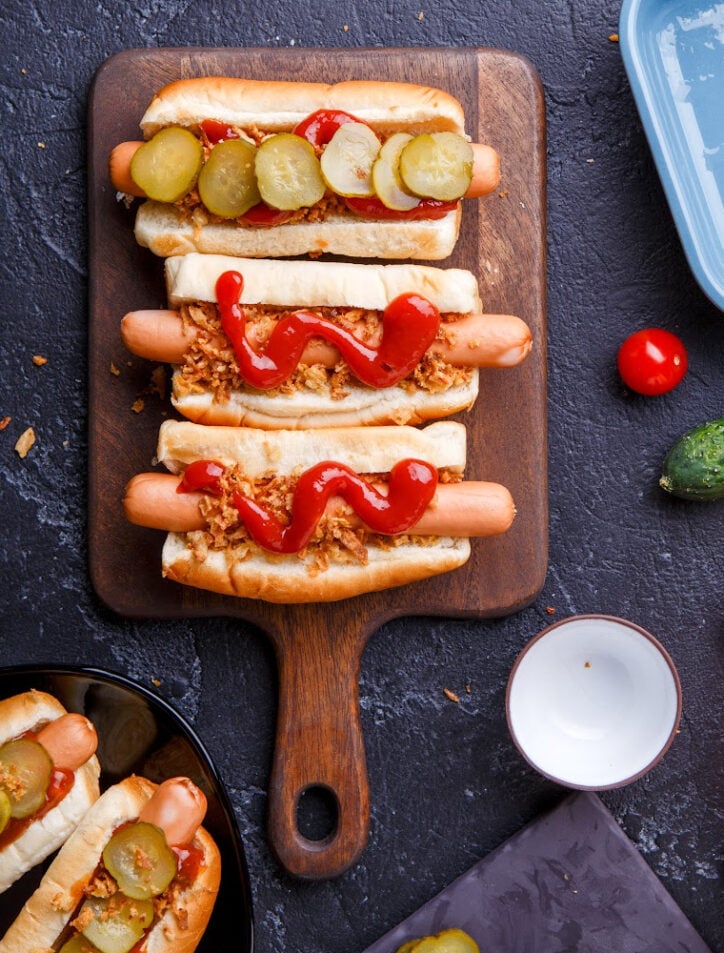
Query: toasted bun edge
{"type": "Point", "coordinates": [365, 449]}
{"type": "Point", "coordinates": [275, 106]}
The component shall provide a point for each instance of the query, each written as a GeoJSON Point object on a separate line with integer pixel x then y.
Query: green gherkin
{"type": "Point", "coordinates": [694, 467]}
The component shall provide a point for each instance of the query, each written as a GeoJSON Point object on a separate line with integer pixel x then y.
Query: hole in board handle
{"type": "Point", "coordinates": [317, 813]}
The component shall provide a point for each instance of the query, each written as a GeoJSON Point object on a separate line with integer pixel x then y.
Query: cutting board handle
{"type": "Point", "coordinates": [319, 744]}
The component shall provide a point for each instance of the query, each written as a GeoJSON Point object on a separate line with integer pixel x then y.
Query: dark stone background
{"type": "Point", "coordinates": [446, 783]}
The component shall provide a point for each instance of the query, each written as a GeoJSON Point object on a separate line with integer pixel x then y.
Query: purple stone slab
{"type": "Point", "coordinates": [570, 882]}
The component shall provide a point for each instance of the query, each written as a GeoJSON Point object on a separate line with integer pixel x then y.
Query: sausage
{"type": "Point", "coordinates": [486, 170]}
{"type": "Point", "coordinates": [69, 740]}
{"type": "Point", "coordinates": [476, 340]}
{"type": "Point", "coordinates": [471, 508]}
{"type": "Point", "coordinates": [178, 807]}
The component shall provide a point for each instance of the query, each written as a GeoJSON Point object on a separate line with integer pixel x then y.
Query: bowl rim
{"type": "Point", "coordinates": [640, 631]}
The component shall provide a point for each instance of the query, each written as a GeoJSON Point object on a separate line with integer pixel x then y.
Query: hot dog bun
{"type": "Point", "coordinates": [278, 106]}
{"type": "Point", "coordinates": [290, 581]}
{"type": "Point", "coordinates": [272, 107]}
{"type": "Point", "coordinates": [321, 283]}
{"type": "Point", "coordinates": [165, 232]}
{"type": "Point", "coordinates": [50, 908]}
{"type": "Point", "coordinates": [300, 284]}
{"type": "Point", "coordinates": [298, 578]}
{"type": "Point", "coordinates": [19, 714]}
{"type": "Point", "coordinates": [368, 450]}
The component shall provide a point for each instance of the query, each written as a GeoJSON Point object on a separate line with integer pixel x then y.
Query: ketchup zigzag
{"type": "Point", "coordinates": [409, 326]}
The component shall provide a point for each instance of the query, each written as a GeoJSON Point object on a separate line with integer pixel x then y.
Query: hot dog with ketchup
{"type": "Point", "coordinates": [317, 515]}
{"type": "Point", "coordinates": [265, 169]}
{"type": "Point", "coordinates": [139, 872]}
{"type": "Point", "coordinates": [316, 344]}
{"type": "Point", "coordinates": [48, 779]}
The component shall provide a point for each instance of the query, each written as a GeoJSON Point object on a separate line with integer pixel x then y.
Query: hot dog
{"type": "Point", "coordinates": [48, 778]}
{"type": "Point", "coordinates": [413, 338]}
{"type": "Point", "coordinates": [264, 169]}
{"type": "Point", "coordinates": [315, 515]}
{"type": "Point", "coordinates": [139, 871]}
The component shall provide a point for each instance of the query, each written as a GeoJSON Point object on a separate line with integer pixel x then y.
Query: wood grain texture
{"type": "Point", "coordinates": [318, 648]}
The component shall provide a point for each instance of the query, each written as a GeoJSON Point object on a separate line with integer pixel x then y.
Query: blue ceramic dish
{"type": "Point", "coordinates": [673, 53]}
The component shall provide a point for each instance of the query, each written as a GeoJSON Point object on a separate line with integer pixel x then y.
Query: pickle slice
{"type": "Point", "coordinates": [288, 172]}
{"type": "Point", "coordinates": [348, 159]}
{"type": "Point", "coordinates": [79, 944]}
{"type": "Point", "coordinates": [437, 165]}
{"type": "Point", "coordinates": [227, 183]}
{"type": "Point", "coordinates": [25, 769]}
{"type": "Point", "coordinates": [447, 941]}
{"type": "Point", "coordinates": [167, 166]}
{"type": "Point", "coordinates": [140, 860]}
{"type": "Point", "coordinates": [386, 179]}
{"type": "Point", "coordinates": [5, 810]}
{"type": "Point", "coordinates": [118, 922]}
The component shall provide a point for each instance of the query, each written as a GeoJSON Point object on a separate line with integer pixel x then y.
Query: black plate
{"type": "Point", "coordinates": [138, 733]}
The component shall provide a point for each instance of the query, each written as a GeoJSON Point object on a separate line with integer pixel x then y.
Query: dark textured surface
{"type": "Point", "coordinates": [446, 784]}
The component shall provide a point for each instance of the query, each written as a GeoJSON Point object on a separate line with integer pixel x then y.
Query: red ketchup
{"type": "Point", "coordinates": [262, 215]}
{"type": "Point", "coordinates": [216, 131]}
{"type": "Point", "coordinates": [409, 326]}
{"type": "Point", "coordinates": [411, 487]}
{"type": "Point", "coordinates": [189, 860]}
{"type": "Point", "coordinates": [319, 127]}
{"type": "Point", "coordinates": [372, 207]}
{"type": "Point", "coordinates": [60, 783]}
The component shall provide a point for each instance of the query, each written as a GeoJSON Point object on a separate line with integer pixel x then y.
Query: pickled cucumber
{"type": "Point", "coordinates": [437, 165]}
{"type": "Point", "coordinates": [348, 160]}
{"type": "Point", "coordinates": [167, 166]}
{"type": "Point", "coordinates": [386, 179]}
{"type": "Point", "coordinates": [227, 183]}
{"type": "Point", "coordinates": [140, 860]}
{"type": "Point", "coordinates": [25, 770]}
{"type": "Point", "coordinates": [118, 923]}
{"type": "Point", "coordinates": [5, 810]}
{"type": "Point", "coordinates": [79, 944]}
{"type": "Point", "coordinates": [447, 941]}
{"type": "Point", "coordinates": [288, 173]}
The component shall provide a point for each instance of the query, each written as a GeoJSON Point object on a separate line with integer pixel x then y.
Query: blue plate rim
{"type": "Point", "coordinates": [630, 32]}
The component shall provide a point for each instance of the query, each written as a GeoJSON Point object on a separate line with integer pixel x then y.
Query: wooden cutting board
{"type": "Point", "coordinates": [318, 647]}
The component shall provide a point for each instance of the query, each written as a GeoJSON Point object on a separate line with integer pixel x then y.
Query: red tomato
{"type": "Point", "coordinates": [652, 361]}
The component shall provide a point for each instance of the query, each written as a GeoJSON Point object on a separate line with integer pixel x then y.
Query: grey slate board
{"type": "Point", "coordinates": [568, 882]}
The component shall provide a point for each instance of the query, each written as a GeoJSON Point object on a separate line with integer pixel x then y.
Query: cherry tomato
{"type": "Point", "coordinates": [652, 361]}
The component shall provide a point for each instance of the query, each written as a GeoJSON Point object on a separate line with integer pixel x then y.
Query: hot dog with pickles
{"type": "Point", "coordinates": [48, 778]}
{"type": "Point", "coordinates": [359, 168]}
{"type": "Point", "coordinates": [139, 872]}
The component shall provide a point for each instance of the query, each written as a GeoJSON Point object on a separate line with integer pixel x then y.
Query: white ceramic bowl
{"type": "Point", "coordinates": [593, 702]}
